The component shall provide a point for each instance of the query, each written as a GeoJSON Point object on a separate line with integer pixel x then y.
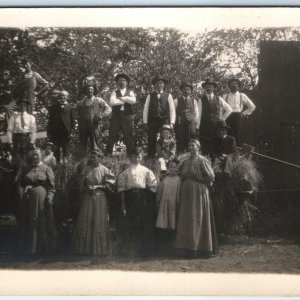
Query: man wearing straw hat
{"type": "Point", "coordinates": [121, 101]}
{"type": "Point", "coordinates": [159, 110]}
{"type": "Point", "coordinates": [241, 106]}
{"type": "Point", "coordinates": [212, 108]}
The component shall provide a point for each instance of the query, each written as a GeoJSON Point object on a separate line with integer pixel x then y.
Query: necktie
{"type": "Point", "coordinates": [22, 121]}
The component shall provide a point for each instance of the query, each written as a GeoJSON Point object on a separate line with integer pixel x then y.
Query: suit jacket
{"type": "Point", "coordinates": [58, 114]}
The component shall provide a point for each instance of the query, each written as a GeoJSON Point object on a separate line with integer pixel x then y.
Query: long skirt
{"type": "Point", "coordinates": [196, 226]}
{"type": "Point", "coordinates": [91, 234]}
{"type": "Point", "coordinates": [140, 208]}
{"type": "Point", "coordinates": [37, 221]}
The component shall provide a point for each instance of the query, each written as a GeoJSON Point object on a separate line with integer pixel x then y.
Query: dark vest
{"type": "Point", "coordinates": [159, 108]}
{"type": "Point", "coordinates": [128, 109]}
{"type": "Point", "coordinates": [209, 108]}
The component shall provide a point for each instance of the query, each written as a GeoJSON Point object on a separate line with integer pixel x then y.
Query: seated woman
{"type": "Point", "coordinates": [137, 185]}
{"type": "Point", "coordinates": [36, 213]}
{"type": "Point", "coordinates": [92, 233]}
{"type": "Point", "coordinates": [196, 231]}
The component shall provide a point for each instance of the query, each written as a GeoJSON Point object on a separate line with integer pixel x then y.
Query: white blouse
{"type": "Point", "coordinates": [137, 177]}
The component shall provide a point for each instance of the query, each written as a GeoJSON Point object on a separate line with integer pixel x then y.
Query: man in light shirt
{"type": "Point", "coordinates": [212, 108]}
{"type": "Point", "coordinates": [241, 106]}
{"type": "Point", "coordinates": [159, 110]}
{"type": "Point", "coordinates": [121, 100]}
{"type": "Point", "coordinates": [21, 131]}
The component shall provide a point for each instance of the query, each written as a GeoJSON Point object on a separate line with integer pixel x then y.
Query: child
{"type": "Point", "coordinates": [165, 147]}
{"type": "Point", "coordinates": [137, 185]}
{"type": "Point", "coordinates": [167, 199]}
{"type": "Point", "coordinates": [48, 156]}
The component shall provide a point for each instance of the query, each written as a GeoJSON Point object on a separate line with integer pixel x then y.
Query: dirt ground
{"type": "Point", "coordinates": [238, 254]}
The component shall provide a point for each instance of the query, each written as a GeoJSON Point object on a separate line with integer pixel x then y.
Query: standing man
{"type": "Point", "coordinates": [121, 101]}
{"type": "Point", "coordinates": [21, 131]}
{"type": "Point", "coordinates": [241, 106]}
{"type": "Point", "coordinates": [187, 117]}
{"type": "Point", "coordinates": [91, 110]}
{"type": "Point", "coordinates": [212, 108]}
{"type": "Point", "coordinates": [159, 110]}
{"type": "Point", "coordinates": [61, 124]}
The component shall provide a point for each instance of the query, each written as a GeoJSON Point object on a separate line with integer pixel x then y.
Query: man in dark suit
{"type": "Point", "coordinates": [223, 148]}
{"type": "Point", "coordinates": [61, 124]}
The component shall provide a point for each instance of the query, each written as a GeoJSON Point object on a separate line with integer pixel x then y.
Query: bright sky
{"type": "Point", "coordinates": [187, 19]}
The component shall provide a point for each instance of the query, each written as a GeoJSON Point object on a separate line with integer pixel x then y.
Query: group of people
{"type": "Point", "coordinates": [177, 205]}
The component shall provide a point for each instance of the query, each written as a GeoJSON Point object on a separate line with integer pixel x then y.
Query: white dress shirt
{"type": "Point", "coordinates": [15, 126]}
{"type": "Point", "coordinates": [114, 101]}
{"type": "Point", "coordinates": [137, 177]}
{"type": "Point", "coordinates": [239, 102]}
{"type": "Point", "coordinates": [171, 108]}
{"type": "Point", "coordinates": [223, 114]}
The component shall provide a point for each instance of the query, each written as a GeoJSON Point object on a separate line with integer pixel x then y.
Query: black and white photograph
{"type": "Point", "coordinates": [150, 140]}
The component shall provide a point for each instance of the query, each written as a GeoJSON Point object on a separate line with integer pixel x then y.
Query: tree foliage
{"type": "Point", "coordinates": [64, 56]}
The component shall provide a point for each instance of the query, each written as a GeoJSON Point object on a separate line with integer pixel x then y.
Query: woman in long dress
{"type": "Point", "coordinates": [92, 233]}
{"type": "Point", "coordinates": [196, 227]}
{"type": "Point", "coordinates": [37, 223]}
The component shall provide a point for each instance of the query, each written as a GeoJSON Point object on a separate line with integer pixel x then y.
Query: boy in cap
{"type": "Point", "coordinates": [187, 117]}
{"type": "Point", "coordinates": [158, 110]}
{"type": "Point", "coordinates": [241, 106]}
{"type": "Point", "coordinates": [212, 108]}
{"type": "Point", "coordinates": [121, 100]}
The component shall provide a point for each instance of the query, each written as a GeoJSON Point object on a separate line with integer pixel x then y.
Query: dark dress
{"type": "Point", "coordinates": [36, 213]}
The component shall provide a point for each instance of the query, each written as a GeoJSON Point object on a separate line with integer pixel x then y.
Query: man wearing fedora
{"type": "Point", "coordinates": [212, 108]}
{"type": "Point", "coordinates": [21, 131]}
{"type": "Point", "coordinates": [187, 117]}
{"type": "Point", "coordinates": [90, 111]}
{"type": "Point", "coordinates": [121, 100]}
{"type": "Point", "coordinates": [158, 110]}
{"type": "Point", "coordinates": [61, 123]}
{"type": "Point", "coordinates": [241, 106]}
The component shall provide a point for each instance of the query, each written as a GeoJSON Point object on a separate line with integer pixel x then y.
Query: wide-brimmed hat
{"type": "Point", "coordinates": [230, 81]}
{"type": "Point", "coordinates": [97, 152]}
{"type": "Point", "coordinates": [209, 81]}
{"type": "Point", "coordinates": [166, 127]}
{"type": "Point", "coordinates": [122, 75]}
{"type": "Point", "coordinates": [221, 124]}
{"type": "Point", "coordinates": [22, 100]}
{"type": "Point", "coordinates": [49, 144]}
{"type": "Point", "coordinates": [186, 83]}
{"type": "Point", "coordinates": [158, 78]}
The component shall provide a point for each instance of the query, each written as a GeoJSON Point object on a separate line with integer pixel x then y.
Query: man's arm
{"type": "Point", "coordinates": [172, 110]}
{"type": "Point", "coordinates": [131, 99]}
{"type": "Point", "coordinates": [198, 121]}
{"type": "Point", "coordinates": [105, 108]}
{"type": "Point", "coordinates": [227, 110]}
{"type": "Point", "coordinates": [114, 101]}
{"type": "Point", "coordinates": [32, 129]}
{"type": "Point", "coordinates": [250, 107]}
{"type": "Point", "coordinates": [10, 128]}
{"type": "Point", "coordinates": [146, 110]}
